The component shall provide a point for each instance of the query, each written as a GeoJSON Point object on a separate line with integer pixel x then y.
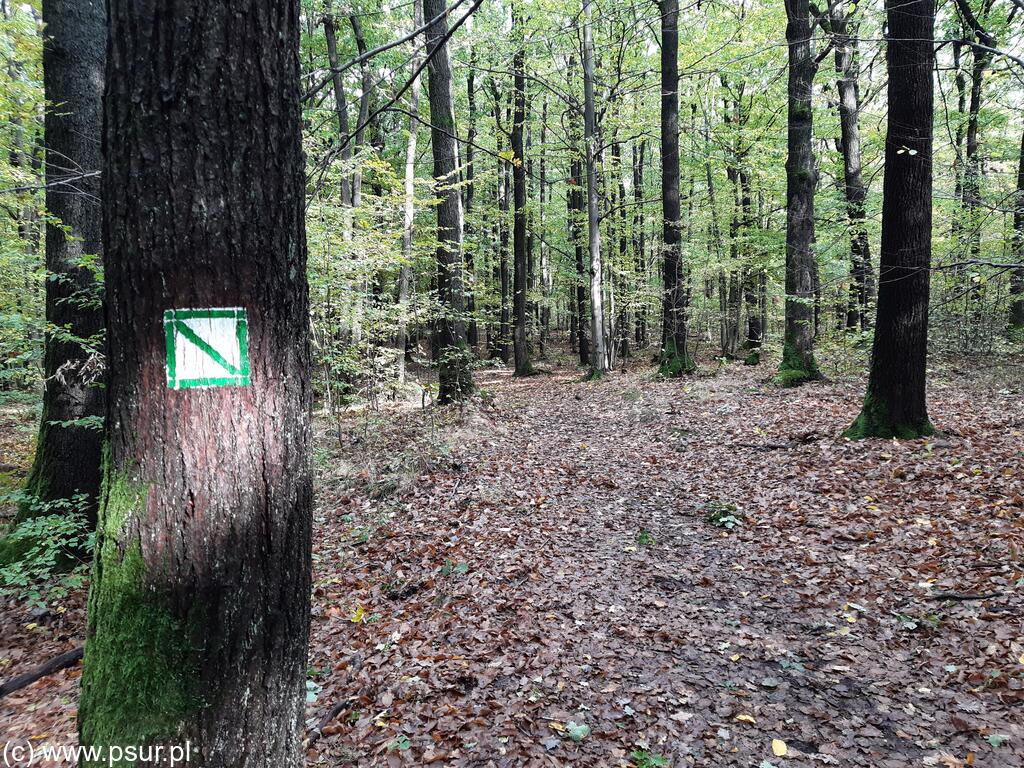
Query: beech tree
{"type": "Point", "coordinates": [598, 340]}
{"type": "Point", "coordinates": [199, 606]}
{"type": "Point", "coordinates": [895, 404]}
{"type": "Point", "coordinates": [798, 363]}
{"type": "Point", "coordinates": [844, 37]}
{"type": "Point", "coordinates": [67, 460]}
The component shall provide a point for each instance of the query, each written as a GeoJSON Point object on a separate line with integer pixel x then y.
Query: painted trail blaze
{"type": "Point", "coordinates": [207, 347]}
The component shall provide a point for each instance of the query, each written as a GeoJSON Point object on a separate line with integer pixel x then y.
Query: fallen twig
{"type": "Point", "coordinates": [56, 664]}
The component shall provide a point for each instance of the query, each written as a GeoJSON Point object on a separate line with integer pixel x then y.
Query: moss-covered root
{"type": "Point", "coordinates": [875, 420]}
{"type": "Point", "coordinates": [674, 362]}
{"type": "Point", "coordinates": [795, 368]}
{"type": "Point", "coordinates": [753, 357]}
{"type": "Point", "coordinates": [138, 679]}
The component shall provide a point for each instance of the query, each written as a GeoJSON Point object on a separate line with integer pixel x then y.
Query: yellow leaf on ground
{"type": "Point", "coordinates": [779, 748]}
{"type": "Point", "coordinates": [745, 718]}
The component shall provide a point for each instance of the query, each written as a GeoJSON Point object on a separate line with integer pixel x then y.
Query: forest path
{"type": "Point", "coordinates": [557, 569]}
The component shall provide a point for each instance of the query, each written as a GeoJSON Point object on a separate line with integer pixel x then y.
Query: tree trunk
{"type": "Point", "coordinates": [895, 405]}
{"type": "Point", "coordinates": [1017, 275]}
{"type": "Point", "coordinates": [640, 242]}
{"type": "Point", "coordinates": [545, 256]}
{"type": "Point", "coordinates": [199, 608]}
{"type": "Point", "coordinates": [520, 253]}
{"type": "Point", "coordinates": [405, 275]}
{"type": "Point", "coordinates": [68, 457]}
{"type": "Point", "coordinates": [674, 358]}
{"type": "Point", "coordinates": [473, 334]}
{"type": "Point", "coordinates": [340, 107]}
{"type": "Point", "coordinates": [846, 58]}
{"type": "Point", "coordinates": [456, 380]}
{"type": "Point", "coordinates": [798, 363]}
{"type": "Point", "coordinates": [598, 351]}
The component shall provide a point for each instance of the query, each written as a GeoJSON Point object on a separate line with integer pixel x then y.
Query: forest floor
{"type": "Point", "coordinates": [642, 572]}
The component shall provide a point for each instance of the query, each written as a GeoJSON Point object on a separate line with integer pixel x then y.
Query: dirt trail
{"type": "Point", "coordinates": [545, 588]}
{"type": "Point", "coordinates": [560, 572]}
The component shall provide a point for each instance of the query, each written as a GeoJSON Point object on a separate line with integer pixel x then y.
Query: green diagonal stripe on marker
{"type": "Point", "coordinates": [188, 333]}
{"type": "Point", "coordinates": [212, 352]}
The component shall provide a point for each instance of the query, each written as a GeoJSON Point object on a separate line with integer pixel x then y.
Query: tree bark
{"type": "Point", "coordinates": [456, 381]}
{"type": "Point", "coordinates": [68, 449]}
{"type": "Point", "coordinates": [199, 607]}
{"type": "Point", "coordinates": [1017, 275]}
{"type": "Point", "coordinates": [521, 352]}
{"type": "Point", "coordinates": [895, 404]}
{"type": "Point", "coordinates": [861, 288]}
{"type": "Point", "coordinates": [798, 363]}
{"type": "Point", "coordinates": [473, 332]}
{"type": "Point", "coordinates": [674, 359]}
{"type": "Point", "coordinates": [598, 350]}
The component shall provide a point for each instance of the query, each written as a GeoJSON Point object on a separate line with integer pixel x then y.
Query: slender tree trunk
{"type": "Point", "coordinates": [846, 59]}
{"type": "Point", "coordinates": [598, 351]}
{"type": "Point", "coordinates": [674, 358]}
{"type": "Point", "coordinates": [798, 363]}
{"type": "Point", "coordinates": [340, 107]}
{"type": "Point", "coordinates": [470, 187]}
{"type": "Point", "coordinates": [409, 207]}
{"type": "Point", "coordinates": [456, 380]}
{"type": "Point", "coordinates": [545, 256]}
{"type": "Point", "coordinates": [577, 214]}
{"type": "Point", "coordinates": [1017, 275]}
{"type": "Point", "coordinates": [199, 606]}
{"type": "Point", "coordinates": [520, 253]}
{"type": "Point", "coordinates": [67, 460]}
{"type": "Point", "coordinates": [364, 106]}
{"type": "Point", "coordinates": [640, 242]}
{"type": "Point", "coordinates": [895, 404]}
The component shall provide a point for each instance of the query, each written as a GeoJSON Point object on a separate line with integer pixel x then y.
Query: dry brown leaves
{"type": "Point", "coordinates": [501, 605]}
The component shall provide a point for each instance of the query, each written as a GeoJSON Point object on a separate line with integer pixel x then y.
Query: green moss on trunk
{"type": "Point", "coordinates": [674, 362]}
{"type": "Point", "coordinates": [139, 675]}
{"type": "Point", "coordinates": [795, 369]}
{"type": "Point", "coordinates": [875, 420]}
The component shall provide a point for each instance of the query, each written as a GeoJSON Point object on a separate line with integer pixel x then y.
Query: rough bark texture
{"type": "Point", "coordinates": [455, 378]}
{"type": "Point", "coordinates": [68, 458]}
{"type": "Point", "coordinates": [520, 350]}
{"type": "Point", "coordinates": [798, 363]}
{"type": "Point", "coordinates": [199, 608]}
{"type": "Point", "coordinates": [598, 351]}
{"type": "Point", "coordinates": [895, 403]}
{"type": "Point", "coordinates": [674, 358]}
{"type": "Point", "coordinates": [861, 283]}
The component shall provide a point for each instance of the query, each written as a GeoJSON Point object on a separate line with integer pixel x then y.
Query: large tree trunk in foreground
{"type": "Point", "coordinates": [67, 460]}
{"type": "Point", "coordinates": [798, 363]}
{"type": "Point", "coordinates": [520, 254]}
{"type": "Point", "coordinates": [674, 359]}
{"type": "Point", "coordinates": [598, 352]}
{"type": "Point", "coordinates": [199, 609]}
{"type": "Point", "coordinates": [861, 287]}
{"type": "Point", "coordinates": [895, 402]}
{"type": "Point", "coordinates": [456, 380]}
